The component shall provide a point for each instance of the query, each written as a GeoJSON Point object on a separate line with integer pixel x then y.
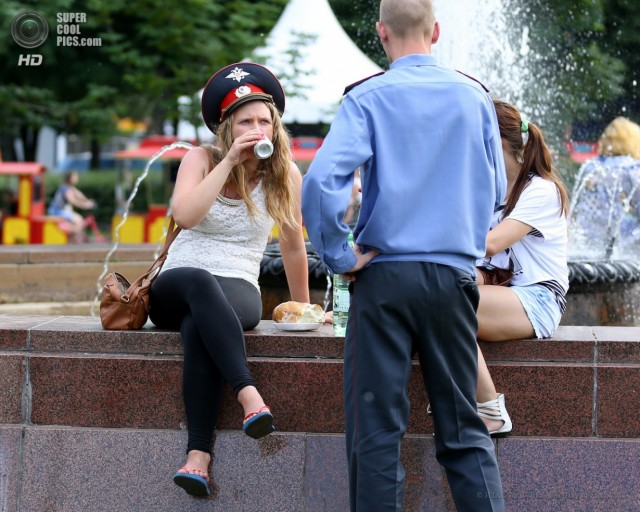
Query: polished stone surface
{"type": "Point", "coordinates": [104, 424]}
{"type": "Point", "coordinates": [85, 334]}
{"type": "Point", "coordinates": [119, 469]}
{"type": "Point", "coordinates": [82, 375]}
{"type": "Point", "coordinates": [618, 404]}
{"type": "Point", "coordinates": [107, 391]}
{"type": "Point", "coordinates": [547, 400]}
{"type": "Point", "coordinates": [618, 344]}
{"type": "Point", "coordinates": [571, 344]}
{"type": "Point", "coordinates": [12, 381]}
{"type": "Point", "coordinates": [577, 475]}
{"type": "Point", "coordinates": [14, 330]}
{"type": "Point", "coordinates": [10, 467]}
{"type": "Point", "coordinates": [105, 470]}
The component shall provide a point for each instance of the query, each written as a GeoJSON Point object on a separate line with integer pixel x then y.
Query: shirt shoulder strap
{"type": "Point", "coordinates": [474, 79]}
{"type": "Point", "coordinates": [348, 88]}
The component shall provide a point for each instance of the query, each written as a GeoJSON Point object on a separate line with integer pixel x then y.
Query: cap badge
{"type": "Point", "coordinates": [243, 90]}
{"type": "Point", "coordinates": [237, 74]}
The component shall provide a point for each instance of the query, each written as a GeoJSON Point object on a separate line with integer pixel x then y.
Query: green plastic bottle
{"type": "Point", "coordinates": [341, 299]}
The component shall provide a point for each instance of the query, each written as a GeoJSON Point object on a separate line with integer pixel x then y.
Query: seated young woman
{"type": "Point", "coordinates": [531, 237]}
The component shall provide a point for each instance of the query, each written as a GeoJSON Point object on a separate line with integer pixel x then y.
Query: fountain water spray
{"type": "Point", "coordinates": [477, 39]}
{"type": "Point", "coordinates": [125, 215]}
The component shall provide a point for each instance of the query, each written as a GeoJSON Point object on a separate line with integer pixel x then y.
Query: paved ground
{"type": "Point", "coordinates": [48, 308]}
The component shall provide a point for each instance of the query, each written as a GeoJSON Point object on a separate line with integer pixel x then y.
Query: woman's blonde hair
{"type": "Point", "coordinates": [620, 137]}
{"type": "Point", "coordinates": [275, 170]}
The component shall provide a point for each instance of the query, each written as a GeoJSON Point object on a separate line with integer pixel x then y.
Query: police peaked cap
{"type": "Point", "coordinates": [235, 85]}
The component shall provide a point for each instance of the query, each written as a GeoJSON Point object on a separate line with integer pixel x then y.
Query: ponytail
{"type": "Point", "coordinates": [535, 154]}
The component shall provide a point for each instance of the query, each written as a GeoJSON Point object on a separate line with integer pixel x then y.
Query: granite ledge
{"type": "Point", "coordinates": [41, 333]}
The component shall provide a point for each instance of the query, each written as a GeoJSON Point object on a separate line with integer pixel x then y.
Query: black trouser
{"type": "Point", "coordinates": [211, 313]}
{"type": "Point", "coordinates": [397, 307]}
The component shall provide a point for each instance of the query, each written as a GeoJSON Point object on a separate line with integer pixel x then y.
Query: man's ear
{"type": "Point", "coordinates": [382, 32]}
{"type": "Point", "coordinates": [436, 33]}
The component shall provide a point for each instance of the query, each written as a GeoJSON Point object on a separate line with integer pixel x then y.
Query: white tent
{"type": "Point", "coordinates": [332, 60]}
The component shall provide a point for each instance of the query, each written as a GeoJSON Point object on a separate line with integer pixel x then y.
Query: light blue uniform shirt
{"type": "Point", "coordinates": [427, 141]}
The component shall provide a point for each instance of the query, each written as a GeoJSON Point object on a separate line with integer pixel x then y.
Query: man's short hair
{"type": "Point", "coordinates": [403, 17]}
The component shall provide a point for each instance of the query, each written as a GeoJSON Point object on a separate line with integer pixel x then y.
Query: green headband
{"type": "Point", "coordinates": [524, 123]}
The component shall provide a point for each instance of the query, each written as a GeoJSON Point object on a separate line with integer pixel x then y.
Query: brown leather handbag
{"type": "Point", "coordinates": [496, 276]}
{"type": "Point", "coordinates": [125, 306]}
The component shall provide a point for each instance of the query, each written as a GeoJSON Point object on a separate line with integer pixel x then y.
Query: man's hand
{"type": "Point", "coordinates": [362, 260]}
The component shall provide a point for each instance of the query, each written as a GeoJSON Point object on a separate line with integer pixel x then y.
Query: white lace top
{"type": "Point", "coordinates": [228, 242]}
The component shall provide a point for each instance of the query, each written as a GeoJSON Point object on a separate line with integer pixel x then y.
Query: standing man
{"type": "Point", "coordinates": [427, 141]}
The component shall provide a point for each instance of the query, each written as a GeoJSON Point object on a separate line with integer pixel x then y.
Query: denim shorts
{"type": "Point", "coordinates": [65, 214]}
{"type": "Point", "coordinates": [541, 307]}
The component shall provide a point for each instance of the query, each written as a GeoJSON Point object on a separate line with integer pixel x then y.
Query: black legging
{"type": "Point", "coordinates": [211, 314]}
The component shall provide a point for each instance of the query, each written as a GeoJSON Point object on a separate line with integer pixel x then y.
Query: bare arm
{"type": "Point", "coordinates": [196, 189]}
{"type": "Point", "coordinates": [76, 198]}
{"type": "Point", "coordinates": [293, 249]}
{"type": "Point", "coordinates": [505, 234]}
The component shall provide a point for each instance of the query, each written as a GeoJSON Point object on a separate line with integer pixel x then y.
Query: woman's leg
{"type": "Point", "coordinates": [192, 301]}
{"type": "Point", "coordinates": [202, 388]}
{"type": "Point", "coordinates": [196, 291]}
{"type": "Point", "coordinates": [487, 393]}
{"type": "Point", "coordinates": [214, 332]}
{"type": "Point", "coordinates": [202, 384]}
{"type": "Point", "coordinates": [77, 226]}
{"type": "Point", "coordinates": [486, 389]}
{"type": "Point", "coordinates": [501, 316]}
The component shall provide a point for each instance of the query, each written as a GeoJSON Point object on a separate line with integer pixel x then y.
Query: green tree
{"type": "Point", "coordinates": [358, 19]}
{"type": "Point", "coordinates": [166, 53]}
{"type": "Point", "coordinates": [152, 53]}
{"type": "Point", "coordinates": [576, 61]}
{"type": "Point", "coordinates": [68, 91]}
{"type": "Point", "coordinates": [570, 73]}
{"type": "Point", "coordinates": [621, 39]}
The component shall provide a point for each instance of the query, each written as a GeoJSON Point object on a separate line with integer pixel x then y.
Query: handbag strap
{"type": "Point", "coordinates": [172, 232]}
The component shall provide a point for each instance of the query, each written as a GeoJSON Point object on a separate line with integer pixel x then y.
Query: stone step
{"type": "Point", "coordinates": [584, 382]}
{"type": "Point", "coordinates": [92, 420]}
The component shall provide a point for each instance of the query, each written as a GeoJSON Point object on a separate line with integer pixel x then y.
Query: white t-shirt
{"type": "Point", "coordinates": [540, 256]}
{"type": "Point", "coordinates": [501, 259]}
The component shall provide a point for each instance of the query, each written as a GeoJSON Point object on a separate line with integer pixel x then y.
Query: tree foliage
{"type": "Point", "coordinates": [358, 19]}
{"type": "Point", "coordinates": [583, 66]}
{"type": "Point", "coordinates": [621, 39]}
{"type": "Point", "coordinates": [152, 53]}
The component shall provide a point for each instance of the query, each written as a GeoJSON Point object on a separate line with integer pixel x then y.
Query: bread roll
{"type": "Point", "coordinates": [293, 312]}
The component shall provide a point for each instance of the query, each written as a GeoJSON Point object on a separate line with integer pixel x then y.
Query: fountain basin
{"type": "Point", "coordinates": [600, 292]}
{"type": "Point", "coordinates": [63, 278]}
{"type": "Point", "coordinates": [603, 293]}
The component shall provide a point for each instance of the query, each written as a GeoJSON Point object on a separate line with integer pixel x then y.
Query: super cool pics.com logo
{"type": "Point", "coordinates": [30, 30]}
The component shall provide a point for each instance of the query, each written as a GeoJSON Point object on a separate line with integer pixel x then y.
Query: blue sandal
{"type": "Point", "coordinates": [259, 424]}
{"type": "Point", "coordinates": [195, 485]}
